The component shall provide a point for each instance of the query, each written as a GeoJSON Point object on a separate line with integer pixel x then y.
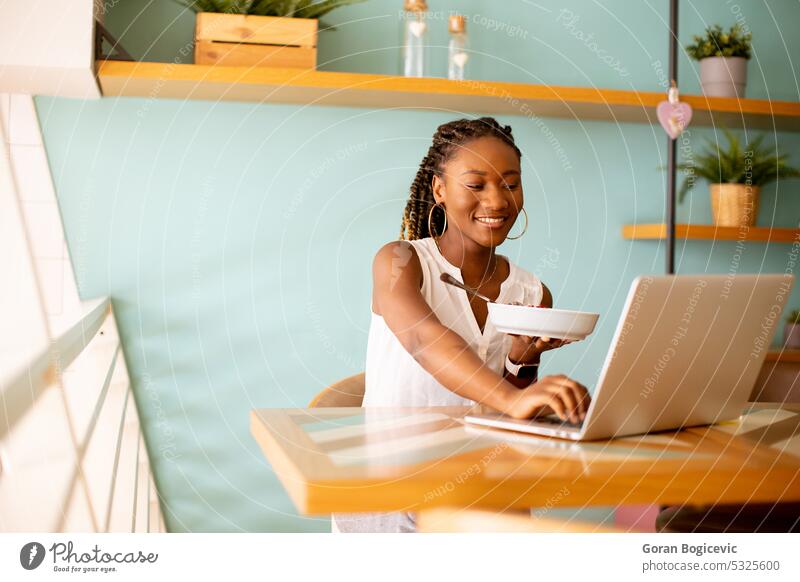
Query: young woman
{"type": "Point", "coordinates": [431, 344]}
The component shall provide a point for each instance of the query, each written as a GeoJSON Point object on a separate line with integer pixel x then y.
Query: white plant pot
{"type": "Point", "coordinates": [723, 76]}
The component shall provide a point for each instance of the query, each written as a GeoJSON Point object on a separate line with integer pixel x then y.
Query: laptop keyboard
{"type": "Point", "coordinates": [551, 419]}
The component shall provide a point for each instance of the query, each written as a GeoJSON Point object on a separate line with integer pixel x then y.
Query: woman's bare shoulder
{"type": "Point", "coordinates": [396, 267]}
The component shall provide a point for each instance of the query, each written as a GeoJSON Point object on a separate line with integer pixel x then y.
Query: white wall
{"type": "Point", "coordinates": [76, 459]}
{"type": "Point", "coordinates": [47, 47]}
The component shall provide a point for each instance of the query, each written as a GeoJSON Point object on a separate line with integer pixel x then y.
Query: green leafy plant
{"type": "Point", "coordinates": [752, 164]}
{"type": "Point", "coordinates": [718, 43]}
{"type": "Point", "coordinates": [794, 317]}
{"type": "Point", "coordinates": [287, 8]}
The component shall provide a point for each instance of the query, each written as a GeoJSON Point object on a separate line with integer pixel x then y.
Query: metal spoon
{"type": "Point", "coordinates": [450, 280]}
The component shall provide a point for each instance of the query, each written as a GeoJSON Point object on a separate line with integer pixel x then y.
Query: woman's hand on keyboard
{"type": "Point", "coordinates": [564, 396]}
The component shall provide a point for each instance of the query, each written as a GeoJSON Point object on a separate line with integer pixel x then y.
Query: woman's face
{"type": "Point", "coordinates": [481, 190]}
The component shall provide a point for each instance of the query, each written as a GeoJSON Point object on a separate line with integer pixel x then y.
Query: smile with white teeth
{"type": "Point", "coordinates": [490, 220]}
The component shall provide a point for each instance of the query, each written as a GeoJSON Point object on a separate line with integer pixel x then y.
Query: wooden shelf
{"type": "Point", "coordinates": [784, 356]}
{"type": "Point", "coordinates": [252, 84]}
{"type": "Point", "coordinates": [711, 232]}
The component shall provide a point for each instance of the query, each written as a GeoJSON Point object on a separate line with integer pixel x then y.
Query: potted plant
{"type": "Point", "coordinates": [736, 175]}
{"type": "Point", "coordinates": [791, 331]}
{"type": "Point", "coordinates": [268, 33]}
{"type": "Point", "coordinates": [723, 60]}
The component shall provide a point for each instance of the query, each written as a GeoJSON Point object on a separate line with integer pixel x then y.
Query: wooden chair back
{"type": "Point", "coordinates": [346, 392]}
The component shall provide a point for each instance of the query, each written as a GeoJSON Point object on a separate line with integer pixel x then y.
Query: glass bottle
{"type": "Point", "coordinates": [458, 54]}
{"type": "Point", "coordinates": [414, 38]}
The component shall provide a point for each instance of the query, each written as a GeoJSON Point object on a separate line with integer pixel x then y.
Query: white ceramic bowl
{"type": "Point", "coordinates": [539, 321]}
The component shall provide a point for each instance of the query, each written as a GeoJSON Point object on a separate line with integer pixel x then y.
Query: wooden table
{"type": "Point", "coordinates": [389, 459]}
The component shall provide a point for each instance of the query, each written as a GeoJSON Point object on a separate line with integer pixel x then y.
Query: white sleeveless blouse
{"type": "Point", "coordinates": [394, 378]}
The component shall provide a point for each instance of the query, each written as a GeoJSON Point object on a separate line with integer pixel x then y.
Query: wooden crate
{"type": "Point", "coordinates": [262, 41]}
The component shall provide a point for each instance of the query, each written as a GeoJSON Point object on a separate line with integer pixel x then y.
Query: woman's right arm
{"type": "Point", "coordinates": [397, 278]}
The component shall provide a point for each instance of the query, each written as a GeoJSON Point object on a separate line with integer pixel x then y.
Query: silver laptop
{"type": "Point", "coordinates": [686, 352]}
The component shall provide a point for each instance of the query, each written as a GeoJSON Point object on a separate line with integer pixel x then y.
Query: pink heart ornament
{"type": "Point", "coordinates": [674, 117]}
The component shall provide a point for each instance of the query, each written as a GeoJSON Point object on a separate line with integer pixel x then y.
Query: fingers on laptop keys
{"type": "Point", "coordinates": [569, 399]}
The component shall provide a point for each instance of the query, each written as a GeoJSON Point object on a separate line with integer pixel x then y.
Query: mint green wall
{"type": "Point", "coordinates": [236, 239]}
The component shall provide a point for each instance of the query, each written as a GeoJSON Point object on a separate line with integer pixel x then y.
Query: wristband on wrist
{"type": "Point", "coordinates": [524, 371]}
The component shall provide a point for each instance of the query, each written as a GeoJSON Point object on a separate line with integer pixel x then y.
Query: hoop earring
{"type": "Point", "coordinates": [524, 230]}
{"type": "Point", "coordinates": [430, 217]}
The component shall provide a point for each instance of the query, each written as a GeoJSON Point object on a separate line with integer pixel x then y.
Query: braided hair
{"type": "Point", "coordinates": [447, 140]}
